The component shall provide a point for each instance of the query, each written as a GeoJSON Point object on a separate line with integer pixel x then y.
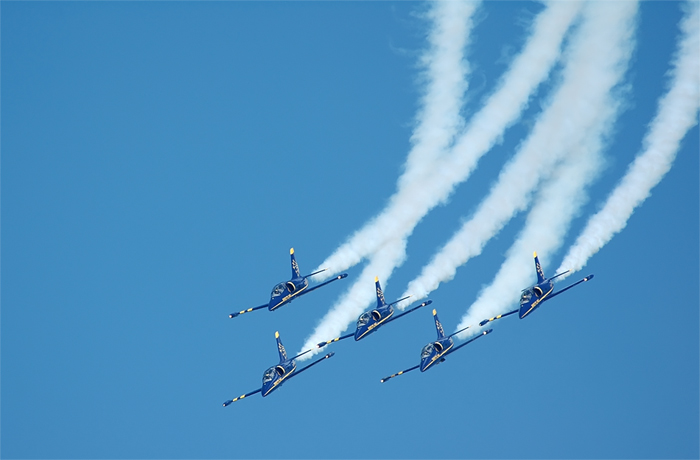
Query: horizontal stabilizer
{"type": "Point", "coordinates": [315, 273]}
{"type": "Point", "coordinates": [559, 274]}
{"type": "Point", "coordinates": [301, 354]}
{"type": "Point", "coordinates": [403, 298]}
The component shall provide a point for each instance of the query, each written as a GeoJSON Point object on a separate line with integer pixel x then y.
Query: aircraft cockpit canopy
{"type": "Point", "coordinates": [269, 375]}
{"type": "Point", "coordinates": [363, 319]}
{"type": "Point", "coordinates": [278, 290]}
{"type": "Point", "coordinates": [427, 351]}
{"type": "Point", "coordinates": [525, 297]}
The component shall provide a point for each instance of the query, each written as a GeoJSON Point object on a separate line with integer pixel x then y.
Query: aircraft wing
{"type": "Point", "coordinates": [242, 396]}
{"type": "Point", "coordinates": [342, 337]}
{"type": "Point", "coordinates": [329, 355]}
{"type": "Point", "coordinates": [569, 287]}
{"type": "Point", "coordinates": [339, 277]}
{"type": "Point", "coordinates": [233, 315]}
{"type": "Point", "coordinates": [469, 341]}
{"type": "Point", "coordinates": [399, 373]}
{"type": "Point", "coordinates": [498, 317]}
{"type": "Point", "coordinates": [427, 302]}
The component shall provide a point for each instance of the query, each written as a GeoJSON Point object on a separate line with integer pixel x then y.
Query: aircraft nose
{"type": "Point", "coordinates": [424, 364]}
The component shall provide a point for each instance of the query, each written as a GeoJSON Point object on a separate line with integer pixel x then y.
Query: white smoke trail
{"type": "Point", "coordinates": [426, 182]}
{"type": "Point", "coordinates": [439, 121]}
{"type": "Point", "coordinates": [677, 113]}
{"type": "Point", "coordinates": [560, 199]}
{"type": "Point", "coordinates": [360, 294]}
{"type": "Point", "coordinates": [580, 102]}
{"type": "Point", "coordinates": [445, 74]}
{"type": "Point", "coordinates": [385, 236]}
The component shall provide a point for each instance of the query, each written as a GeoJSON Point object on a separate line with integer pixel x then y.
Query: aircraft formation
{"type": "Point", "coordinates": [370, 321]}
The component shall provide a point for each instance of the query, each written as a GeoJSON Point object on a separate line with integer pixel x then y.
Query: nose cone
{"type": "Point", "coordinates": [523, 311]}
{"type": "Point", "coordinates": [360, 332]}
{"type": "Point", "coordinates": [277, 300]}
{"type": "Point", "coordinates": [526, 309]}
{"type": "Point", "coordinates": [268, 387]}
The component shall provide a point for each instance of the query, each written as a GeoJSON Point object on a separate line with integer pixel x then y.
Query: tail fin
{"type": "Point", "coordinates": [280, 348]}
{"type": "Point", "coordinates": [538, 268]}
{"type": "Point", "coordinates": [295, 267]}
{"type": "Point", "coordinates": [380, 295]}
{"type": "Point", "coordinates": [438, 326]}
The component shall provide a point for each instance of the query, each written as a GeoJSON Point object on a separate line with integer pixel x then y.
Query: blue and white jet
{"type": "Point", "coordinates": [284, 292]}
{"type": "Point", "coordinates": [275, 376]}
{"type": "Point", "coordinates": [436, 352]}
{"type": "Point", "coordinates": [532, 297]}
{"type": "Point", "coordinates": [371, 320]}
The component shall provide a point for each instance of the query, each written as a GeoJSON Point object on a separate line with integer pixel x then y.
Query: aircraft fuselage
{"type": "Point", "coordinates": [434, 352]}
{"type": "Point", "coordinates": [370, 321]}
{"type": "Point", "coordinates": [276, 375]}
{"type": "Point", "coordinates": [285, 292]}
{"type": "Point", "coordinates": [531, 298]}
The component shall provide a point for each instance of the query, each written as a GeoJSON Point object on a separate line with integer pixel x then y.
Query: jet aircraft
{"type": "Point", "coordinates": [371, 320]}
{"type": "Point", "coordinates": [275, 376]}
{"type": "Point", "coordinates": [436, 352]}
{"type": "Point", "coordinates": [531, 298]}
{"type": "Point", "coordinates": [285, 292]}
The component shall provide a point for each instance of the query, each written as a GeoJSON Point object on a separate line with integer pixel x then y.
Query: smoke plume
{"type": "Point", "coordinates": [431, 174]}
{"type": "Point", "coordinates": [577, 111]}
{"type": "Point", "coordinates": [677, 113]}
{"type": "Point", "coordinates": [608, 24]}
{"type": "Point", "coordinates": [385, 236]}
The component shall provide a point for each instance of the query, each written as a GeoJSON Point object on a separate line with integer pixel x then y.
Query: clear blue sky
{"type": "Point", "coordinates": [159, 160]}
